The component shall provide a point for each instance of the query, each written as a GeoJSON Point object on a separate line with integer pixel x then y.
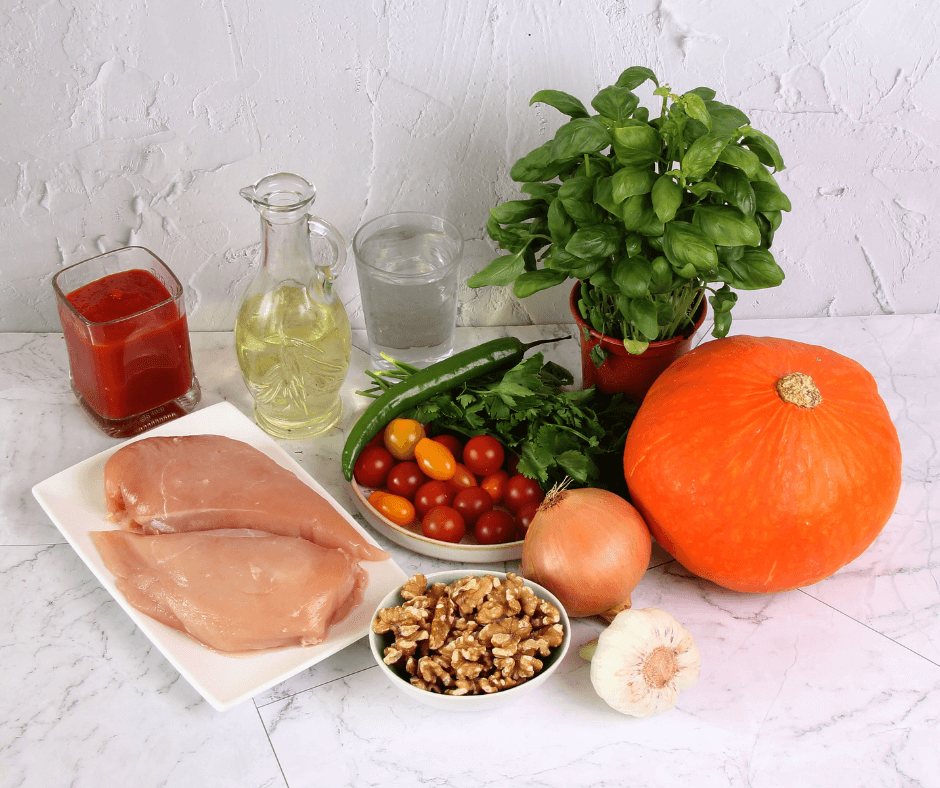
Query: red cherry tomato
{"type": "Point", "coordinates": [524, 517]}
{"type": "Point", "coordinates": [377, 440]}
{"type": "Point", "coordinates": [495, 527]}
{"type": "Point", "coordinates": [452, 442]}
{"type": "Point", "coordinates": [461, 479]}
{"type": "Point", "coordinates": [372, 466]}
{"type": "Point", "coordinates": [404, 479]}
{"type": "Point", "coordinates": [393, 507]}
{"type": "Point", "coordinates": [443, 523]}
{"type": "Point", "coordinates": [401, 436]}
{"type": "Point", "coordinates": [495, 485]}
{"type": "Point", "coordinates": [471, 502]}
{"type": "Point", "coordinates": [483, 455]}
{"type": "Point", "coordinates": [519, 490]}
{"type": "Point", "coordinates": [431, 494]}
{"type": "Point", "coordinates": [435, 459]}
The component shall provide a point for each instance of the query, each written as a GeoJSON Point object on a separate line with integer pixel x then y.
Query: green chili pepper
{"type": "Point", "coordinates": [426, 383]}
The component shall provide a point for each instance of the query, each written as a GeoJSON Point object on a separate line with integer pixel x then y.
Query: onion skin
{"type": "Point", "coordinates": [589, 547]}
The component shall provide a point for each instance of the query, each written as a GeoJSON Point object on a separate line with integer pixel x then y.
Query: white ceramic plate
{"type": "Point", "coordinates": [74, 501]}
{"type": "Point", "coordinates": [411, 537]}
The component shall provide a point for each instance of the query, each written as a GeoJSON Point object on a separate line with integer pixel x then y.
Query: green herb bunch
{"type": "Point", "coordinates": [556, 433]}
{"type": "Point", "coordinates": [649, 214]}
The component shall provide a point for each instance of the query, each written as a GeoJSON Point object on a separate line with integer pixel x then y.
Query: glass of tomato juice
{"type": "Point", "coordinates": [124, 319]}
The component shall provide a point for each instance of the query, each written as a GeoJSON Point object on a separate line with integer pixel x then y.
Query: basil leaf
{"type": "Point", "coordinates": [512, 240]}
{"type": "Point", "coordinates": [737, 189]}
{"type": "Point", "coordinates": [773, 218]}
{"type": "Point", "coordinates": [580, 136]}
{"type": "Point", "coordinates": [742, 158]}
{"type": "Point", "coordinates": [705, 94]}
{"type": "Point", "coordinates": [769, 197]}
{"type": "Point", "coordinates": [587, 269]}
{"type": "Point", "coordinates": [563, 102]}
{"type": "Point", "coordinates": [667, 198]}
{"type": "Point", "coordinates": [513, 211]}
{"type": "Point", "coordinates": [577, 195]}
{"type": "Point", "coordinates": [628, 182]}
{"type": "Point", "coordinates": [727, 226]}
{"type": "Point", "coordinates": [604, 195]}
{"type": "Point", "coordinates": [702, 154]}
{"type": "Point", "coordinates": [632, 244]}
{"type": "Point", "coordinates": [756, 270]}
{"type": "Point", "coordinates": [660, 275]}
{"type": "Point", "coordinates": [616, 103]}
{"type": "Point", "coordinates": [532, 281]}
{"type": "Point", "coordinates": [643, 315]}
{"type": "Point", "coordinates": [725, 118]}
{"type": "Point", "coordinates": [685, 245]}
{"type": "Point", "coordinates": [765, 148]}
{"type": "Point", "coordinates": [722, 324]}
{"type": "Point", "coordinates": [635, 76]}
{"type": "Point", "coordinates": [560, 225]}
{"type": "Point", "coordinates": [636, 211]}
{"type": "Point", "coordinates": [723, 300]}
{"type": "Point", "coordinates": [702, 188]}
{"type": "Point", "coordinates": [632, 275]}
{"type": "Point", "coordinates": [538, 165]}
{"type": "Point", "coordinates": [636, 144]}
{"type": "Point", "coordinates": [593, 242]}
{"type": "Point", "coordinates": [502, 271]}
{"type": "Point", "coordinates": [694, 105]}
{"type": "Point", "coordinates": [540, 191]}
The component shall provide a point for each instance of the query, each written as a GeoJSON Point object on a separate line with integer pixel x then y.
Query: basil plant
{"type": "Point", "coordinates": [651, 215]}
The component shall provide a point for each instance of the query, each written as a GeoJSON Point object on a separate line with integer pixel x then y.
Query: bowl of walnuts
{"type": "Point", "coordinates": [469, 640]}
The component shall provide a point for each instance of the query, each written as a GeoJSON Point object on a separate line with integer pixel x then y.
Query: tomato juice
{"type": "Point", "coordinates": [128, 343]}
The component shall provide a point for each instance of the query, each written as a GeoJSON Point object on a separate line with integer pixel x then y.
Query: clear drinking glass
{"type": "Point", "coordinates": [407, 264]}
{"type": "Point", "coordinates": [124, 319]}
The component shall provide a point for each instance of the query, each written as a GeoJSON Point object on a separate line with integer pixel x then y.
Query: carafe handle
{"type": "Point", "coordinates": [324, 229]}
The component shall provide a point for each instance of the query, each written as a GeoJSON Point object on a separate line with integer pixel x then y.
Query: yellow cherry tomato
{"type": "Point", "coordinates": [435, 459]}
{"type": "Point", "coordinates": [393, 507]}
{"type": "Point", "coordinates": [401, 436]}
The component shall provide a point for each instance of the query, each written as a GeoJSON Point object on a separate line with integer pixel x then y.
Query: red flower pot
{"type": "Point", "coordinates": [623, 372]}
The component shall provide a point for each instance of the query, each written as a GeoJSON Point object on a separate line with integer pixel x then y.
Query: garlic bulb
{"type": "Point", "coordinates": [642, 661]}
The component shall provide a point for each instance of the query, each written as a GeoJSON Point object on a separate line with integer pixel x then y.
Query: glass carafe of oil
{"type": "Point", "coordinates": [292, 334]}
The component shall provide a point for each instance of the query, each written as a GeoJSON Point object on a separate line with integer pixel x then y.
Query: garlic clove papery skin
{"type": "Point", "coordinates": [643, 660]}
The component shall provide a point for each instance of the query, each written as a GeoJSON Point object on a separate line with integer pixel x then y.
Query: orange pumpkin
{"type": "Point", "coordinates": [763, 464]}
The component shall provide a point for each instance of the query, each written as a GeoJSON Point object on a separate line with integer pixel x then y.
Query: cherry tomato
{"type": "Point", "coordinates": [495, 485]}
{"type": "Point", "coordinates": [519, 490]}
{"type": "Point", "coordinates": [461, 479]}
{"type": "Point", "coordinates": [372, 466]}
{"type": "Point", "coordinates": [401, 436]}
{"type": "Point", "coordinates": [495, 527]}
{"type": "Point", "coordinates": [524, 517]}
{"type": "Point", "coordinates": [377, 440]}
{"type": "Point", "coordinates": [471, 502]}
{"type": "Point", "coordinates": [443, 523]}
{"type": "Point", "coordinates": [435, 459]}
{"type": "Point", "coordinates": [393, 507]}
{"type": "Point", "coordinates": [452, 442]}
{"type": "Point", "coordinates": [483, 454]}
{"type": "Point", "coordinates": [431, 494]}
{"type": "Point", "coordinates": [405, 478]}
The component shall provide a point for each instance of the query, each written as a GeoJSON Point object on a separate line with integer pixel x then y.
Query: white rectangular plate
{"type": "Point", "coordinates": [74, 501]}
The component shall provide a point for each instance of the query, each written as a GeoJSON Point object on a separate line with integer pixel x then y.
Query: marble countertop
{"type": "Point", "coordinates": [836, 684]}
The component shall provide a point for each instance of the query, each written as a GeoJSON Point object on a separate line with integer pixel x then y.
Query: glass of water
{"type": "Point", "coordinates": [408, 265]}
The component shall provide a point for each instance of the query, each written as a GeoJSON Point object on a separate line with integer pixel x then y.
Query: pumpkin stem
{"type": "Point", "coordinates": [799, 389]}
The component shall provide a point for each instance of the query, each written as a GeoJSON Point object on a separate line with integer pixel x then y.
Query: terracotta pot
{"type": "Point", "coordinates": [623, 372]}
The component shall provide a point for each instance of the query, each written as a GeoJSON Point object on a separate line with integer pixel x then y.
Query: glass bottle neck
{"type": "Point", "coordinates": [286, 248]}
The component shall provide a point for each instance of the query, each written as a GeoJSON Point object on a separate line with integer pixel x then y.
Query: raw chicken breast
{"type": "Point", "coordinates": [202, 482]}
{"type": "Point", "coordinates": [235, 590]}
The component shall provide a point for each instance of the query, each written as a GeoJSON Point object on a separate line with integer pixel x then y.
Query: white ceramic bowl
{"type": "Point", "coordinates": [467, 702]}
{"type": "Point", "coordinates": [411, 537]}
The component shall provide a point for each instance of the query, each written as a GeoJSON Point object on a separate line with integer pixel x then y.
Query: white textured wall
{"type": "Point", "coordinates": [137, 121]}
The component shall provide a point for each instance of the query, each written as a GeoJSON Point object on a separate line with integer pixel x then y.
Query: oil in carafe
{"type": "Point", "coordinates": [293, 351]}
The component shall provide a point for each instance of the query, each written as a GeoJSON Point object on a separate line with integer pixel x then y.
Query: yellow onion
{"type": "Point", "coordinates": [589, 547]}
